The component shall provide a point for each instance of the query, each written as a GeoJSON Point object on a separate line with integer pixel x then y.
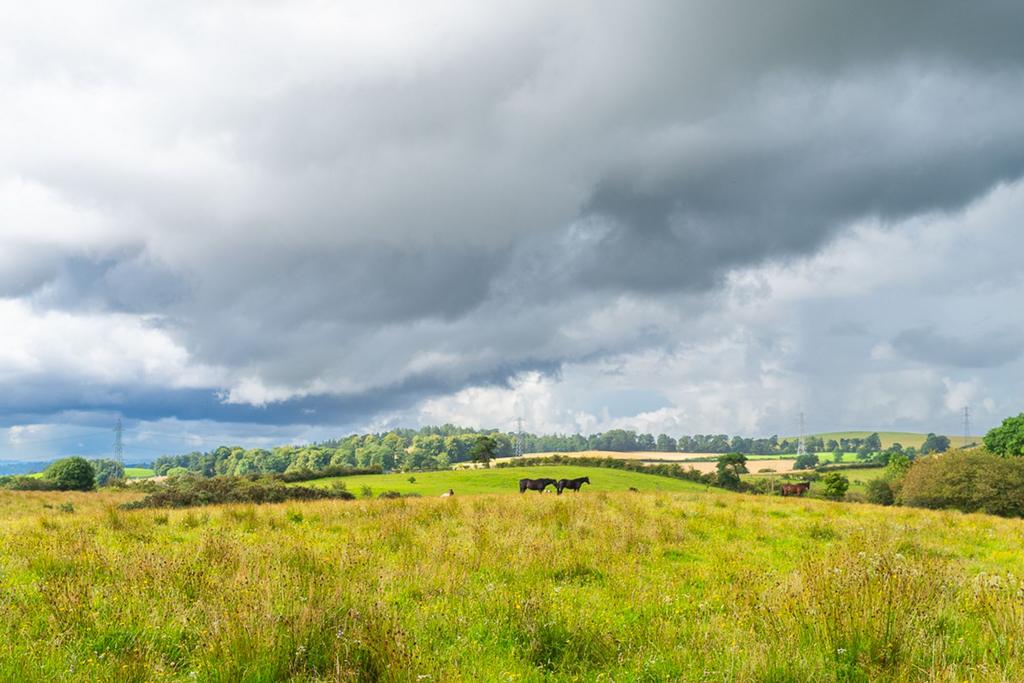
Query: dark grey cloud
{"type": "Point", "coordinates": [361, 224]}
{"type": "Point", "coordinates": [986, 350]}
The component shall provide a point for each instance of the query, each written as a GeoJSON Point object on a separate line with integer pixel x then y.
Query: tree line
{"type": "Point", "coordinates": [434, 447]}
{"type": "Point", "coordinates": [869, 451]}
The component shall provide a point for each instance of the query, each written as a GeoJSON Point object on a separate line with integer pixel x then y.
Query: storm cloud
{"type": "Point", "coordinates": [341, 216]}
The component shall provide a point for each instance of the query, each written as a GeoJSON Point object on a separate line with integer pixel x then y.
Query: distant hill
{"type": "Point", "coordinates": [22, 466]}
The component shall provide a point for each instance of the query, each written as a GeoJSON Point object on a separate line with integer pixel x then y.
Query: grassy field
{"type": "Point", "coordinates": [598, 587]}
{"type": "Point", "coordinates": [620, 455]}
{"type": "Point", "coordinates": [506, 480]}
{"type": "Point", "coordinates": [138, 472]}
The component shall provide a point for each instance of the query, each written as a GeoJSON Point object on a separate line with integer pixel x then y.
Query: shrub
{"type": "Point", "coordinates": [970, 481]}
{"type": "Point", "coordinates": [880, 492]}
{"type": "Point", "coordinates": [71, 474]}
{"type": "Point", "coordinates": [191, 491]}
{"type": "Point", "coordinates": [835, 485]}
{"type": "Point", "coordinates": [22, 483]}
{"type": "Point", "coordinates": [330, 471]}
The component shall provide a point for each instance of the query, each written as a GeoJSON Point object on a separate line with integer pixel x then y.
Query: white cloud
{"type": "Point", "coordinates": [108, 349]}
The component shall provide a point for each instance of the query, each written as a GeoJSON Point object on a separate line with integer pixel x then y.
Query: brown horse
{"type": "Point", "coordinates": [796, 489]}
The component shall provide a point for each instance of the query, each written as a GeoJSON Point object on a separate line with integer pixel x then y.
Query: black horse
{"type": "Point", "coordinates": [574, 484]}
{"type": "Point", "coordinates": [536, 484]}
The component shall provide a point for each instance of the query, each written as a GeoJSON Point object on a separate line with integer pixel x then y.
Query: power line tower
{"type": "Point", "coordinates": [967, 425]}
{"type": "Point", "coordinates": [119, 441]}
{"type": "Point", "coordinates": [801, 445]}
{"type": "Point", "coordinates": [520, 437]}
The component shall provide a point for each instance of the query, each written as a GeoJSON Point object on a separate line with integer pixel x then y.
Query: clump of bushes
{"type": "Point", "coordinates": [20, 482]}
{"type": "Point", "coordinates": [108, 472]}
{"type": "Point", "coordinates": [970, 481]}
{"type": "Point", "coordinates": [190, 491]}
{"type": "Point", "coordinates": [330, 471]}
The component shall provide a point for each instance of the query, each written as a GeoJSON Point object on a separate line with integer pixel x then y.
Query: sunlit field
{"type": "Point", "coordinates": [594, 586]}
{"type": "Point", "coordinates": [505, 480]}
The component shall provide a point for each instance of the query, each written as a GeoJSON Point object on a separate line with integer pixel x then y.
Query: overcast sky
{"type": "Point", "coordinates": [266, 222]}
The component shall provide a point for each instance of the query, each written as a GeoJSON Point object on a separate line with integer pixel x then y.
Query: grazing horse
{"type": "Point", "coordinates": [536, 484]}
{"type": "Point", "coordinates": [796, 489]}
{"type": "Point", "coordinates": [574, 484]}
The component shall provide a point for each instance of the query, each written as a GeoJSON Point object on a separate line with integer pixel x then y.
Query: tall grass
{"type": "Point", "coordinates": [606, 586]}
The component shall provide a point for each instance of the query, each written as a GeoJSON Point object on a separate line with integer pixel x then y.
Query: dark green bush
{"type": "Point", "coordinates": [189, 491]}
{"type": "Point", "coordinates": [880, 492]}
{"type": "Point", "coordinates": [331, 471]}
{"type": "Point", "coordinates": [71, 474]}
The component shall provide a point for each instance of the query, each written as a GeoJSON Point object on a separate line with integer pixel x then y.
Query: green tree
{"type": "Point", "coordinates": [874, 443]}
{"type": "Point", "coordinates": [934, 443]}
{"type": "Point", "coordinates": [806, 461]}
{"type": "Point", "coordinates": [1008, 438]}
{"type": "Point", "coordinates": [730, 466]}
{"type": "Point", "coordinates": [107, 470]}
{"type": "Point", "coordinates": [484, 450]}
{"type": "Point", "coordinates": [71, 474]}
{"type": "Point", "coordinates": [837, 455]}
{"type": "Point", "coordinates": [897, 466]}
{"type": "Point", "coordinates": [835, 485]}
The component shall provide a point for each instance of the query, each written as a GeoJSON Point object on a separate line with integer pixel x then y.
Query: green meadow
{"type": "Point", "coordinates": [505, 480]}
{"type": "Point", "coordinates": [600, 586]}
{"type": "Point", "coordinates": [138, 472]}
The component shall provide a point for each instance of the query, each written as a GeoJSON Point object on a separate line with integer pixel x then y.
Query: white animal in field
{"type": "Point", "coordinates": [449, 494]}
